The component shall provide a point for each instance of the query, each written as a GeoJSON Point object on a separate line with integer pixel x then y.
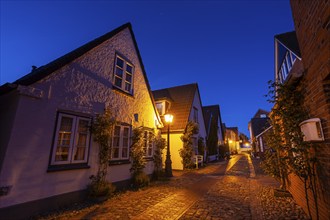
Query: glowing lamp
{"type": "Point", "coordinates": [168, 118]}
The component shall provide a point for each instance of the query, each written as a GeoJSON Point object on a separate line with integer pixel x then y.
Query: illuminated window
{"type": "Point", "coordinates": [72, 140]}
{"type": "Point", "coordinates": [123, 76]}
{"type": "Point", "coordinates": [120, 142]}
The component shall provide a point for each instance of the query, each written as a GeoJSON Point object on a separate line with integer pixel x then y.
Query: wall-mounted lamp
{"type": "Point", "coordinates": [312, 130]}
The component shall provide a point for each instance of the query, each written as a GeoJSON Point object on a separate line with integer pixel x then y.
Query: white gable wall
{"type": "Point", "coordinates": [197, 104]}
{"type": "Point", "coordinates": [220, 137]}
{"type": "Point", "coordinates": [83, 87]}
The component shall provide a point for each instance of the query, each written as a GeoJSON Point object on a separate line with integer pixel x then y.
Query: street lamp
{"type": "Point", "coordinates": [168, 162]}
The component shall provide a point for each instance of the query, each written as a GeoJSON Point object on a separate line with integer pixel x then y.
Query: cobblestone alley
{"type": "Point", "coordinates": [224, 190]}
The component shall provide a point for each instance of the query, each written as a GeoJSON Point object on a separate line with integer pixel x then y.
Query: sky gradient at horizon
{"type": "Point", "coordinates": [227, 47]}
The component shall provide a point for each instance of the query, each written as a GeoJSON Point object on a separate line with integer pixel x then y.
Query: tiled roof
{"type": "Point", "coordinates": [290, 41]}
{"type": "Point", "coordinates": [261, 112]}
{"type": "Point", "coordinates": [234, 129]}
{"type": "Point", "coordinates": [209, 112]}
{"type": "Point", "coordinates": [181, 103]}
{"type": "Point", "coordinates": [43, 71]}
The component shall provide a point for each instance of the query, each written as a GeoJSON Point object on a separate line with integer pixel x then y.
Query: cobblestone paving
{"type": "Point", "coordinates": [228, 198]}
{"type": "Point", "coordinates": [212, 192]}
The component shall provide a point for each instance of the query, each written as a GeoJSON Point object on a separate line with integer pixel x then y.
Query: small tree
{"type": "Point", "coordinates": [186, 152]}
{"type": "Point", "coordinates": [137, 154]}
{"type": "Point", "coordinates": [159, 147]}
{"type": "Point", "coordinates": [201, 146]}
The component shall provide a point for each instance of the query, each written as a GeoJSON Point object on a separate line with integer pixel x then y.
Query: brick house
{"type": "Point", "coordinates": [47, 152]}
{"type": "Point", "coordinates": [309, 53]}
{"type": "Point", "coordinates": [185, 104]}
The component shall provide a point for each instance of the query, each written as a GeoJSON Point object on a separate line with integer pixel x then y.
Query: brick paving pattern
{"type": "Point", "coordinates": [234, 189]}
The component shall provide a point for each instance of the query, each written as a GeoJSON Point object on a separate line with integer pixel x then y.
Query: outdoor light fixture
{"type": "Point", "coordinates": [168, 118]}
{"type": "Point", "coordinates": [168, 162]}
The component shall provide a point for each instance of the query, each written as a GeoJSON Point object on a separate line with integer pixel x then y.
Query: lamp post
{"type": "Point", "coordinates": [168, 162]}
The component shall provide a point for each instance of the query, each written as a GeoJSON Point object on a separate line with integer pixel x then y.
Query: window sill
{"type": "Point", "coordinates": [122, 91]}
{"type": "Point", "coordinates": [54, 168]}
{"type": "Point", "coordinates": [149, 159]}
{"type": "Point", "coordinates": [118, 162]}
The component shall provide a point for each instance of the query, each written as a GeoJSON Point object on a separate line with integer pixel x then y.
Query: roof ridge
{"type": "Point", "coordinates": [285, 33]}
{"type": "Point", "coordinates": [45, 70]}
{"type": "Point", "coordinates": [209, 106]}
{"type": "Point", "coordinates": [190, 84]}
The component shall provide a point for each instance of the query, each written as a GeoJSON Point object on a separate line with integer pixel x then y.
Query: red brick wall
{"type": "Point", "coordinates": [312, 25]}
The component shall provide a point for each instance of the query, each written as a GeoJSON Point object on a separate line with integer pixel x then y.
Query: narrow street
{"type": "Point", "coordinates": [223, 190]}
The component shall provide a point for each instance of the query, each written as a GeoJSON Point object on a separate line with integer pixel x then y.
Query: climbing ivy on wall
{"type": "Point", "coordinates": [186, 152]}
{"type": "Point", "coordinates": [102, 130]}
{"type": "Point", "coordinates": [159, 147]}
{"type": "Point", "coordinates": [288, 152]}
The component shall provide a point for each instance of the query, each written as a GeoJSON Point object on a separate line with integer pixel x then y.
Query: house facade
{"type": "Point", "coordinates": [261, 142]}
{"type": "Point", "coordinates": [214, 129]}
{"type": "Point", "coordinates": [232, 139]}
{"type": "Point", "coordinates": [47, 149]}
{"type": "Point", "coordinates": [185, 104]}
{"type": "Point", "coordinates": [257, 127]}
{"type": "Point", "coordinates": [311, 72]}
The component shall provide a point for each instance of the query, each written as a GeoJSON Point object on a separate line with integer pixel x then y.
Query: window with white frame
{"type": "Point", "coordinates": [160, 108]}
{"type": "Point", "coordinates": [148, 143]}
{"type": "Point", "coordinates": [120, 142]}
{"type": "Point", "coordinates": [123, 76]}
{"type": "Point", "coordinates": [287, 65]}
{"type": "Point", "coordinates": [72, 139]}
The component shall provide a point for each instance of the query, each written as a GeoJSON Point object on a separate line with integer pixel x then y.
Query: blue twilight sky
{"type": "Point", "coordinates": [227, 47]}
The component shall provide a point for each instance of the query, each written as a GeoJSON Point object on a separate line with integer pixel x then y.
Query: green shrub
{"type": "Point", "coordinates": [99, 188]}
{"type": "Point", "coordinates": [141, 179]}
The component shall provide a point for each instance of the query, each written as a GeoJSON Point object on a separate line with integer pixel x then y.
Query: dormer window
{"type": "Point", "coordinates": [123, 76]}
{"type": "Point", "coordinates": [162, 107]}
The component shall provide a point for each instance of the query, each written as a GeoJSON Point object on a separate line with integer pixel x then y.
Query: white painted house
{"type": "Point", "coordinates": [185, 104]}
{"type": "Point", "coordinates": [47, 153]}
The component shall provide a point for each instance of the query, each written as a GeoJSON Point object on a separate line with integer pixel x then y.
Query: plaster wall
{"type": "Point", "coordinates": [84, 86]}
{"type": "Point", "coordinates": [175, 146]}
{"type": "Point", "coordinates": [202, 129]}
